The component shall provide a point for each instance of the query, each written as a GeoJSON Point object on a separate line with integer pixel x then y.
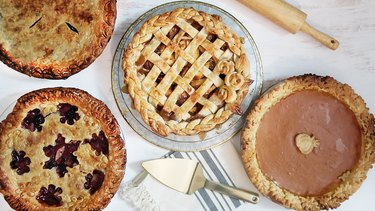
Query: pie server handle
{"type": "Point", "coordinates": [232, 192]}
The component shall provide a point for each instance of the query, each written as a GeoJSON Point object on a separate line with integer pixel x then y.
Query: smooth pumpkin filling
{"type": "Point", "coordinates": [307, 141]}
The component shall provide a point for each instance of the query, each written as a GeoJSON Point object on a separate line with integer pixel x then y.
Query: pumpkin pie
{"type": "Point", "coordinates": [309, 142]}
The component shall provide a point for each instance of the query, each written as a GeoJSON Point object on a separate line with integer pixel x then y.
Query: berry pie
{"type": "Point", "coordinates": [60, 148]}
{"type": "Point", "coordinates": [54, 39]}
{"type": "Point", "coordinates": [186, 72]}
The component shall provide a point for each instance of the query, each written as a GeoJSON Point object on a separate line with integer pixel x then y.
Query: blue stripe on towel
{"type": "Point", "coordinates": [210, 177]}
{"type": "Point", "coordinates": [218, 175]}
{"type": "Point", "coordinates": [203, 193]}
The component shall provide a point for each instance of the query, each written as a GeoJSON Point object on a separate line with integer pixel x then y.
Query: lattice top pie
{"type": "Point", "coordinates": [60, 149]}
{"type": "Point", "coordinates": [54, 39]}
{"type": "Point", "coordinates": [186, 72]}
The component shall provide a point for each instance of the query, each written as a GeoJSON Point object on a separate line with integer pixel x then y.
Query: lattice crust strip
{"type": "Point", "coordinates": [186, 72]}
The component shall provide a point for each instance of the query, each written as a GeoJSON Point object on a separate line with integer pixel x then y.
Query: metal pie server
{"type": "Point", "coordinates": [186, 176]}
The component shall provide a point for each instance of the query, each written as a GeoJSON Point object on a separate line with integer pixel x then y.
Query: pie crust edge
{"type": "Point", "coordinates": [351, 180]}
{"type": "Point", "coordinates": [117, 156]}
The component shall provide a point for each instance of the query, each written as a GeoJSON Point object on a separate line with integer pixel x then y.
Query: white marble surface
{"type": "Point", "coordinates": [352, 22]}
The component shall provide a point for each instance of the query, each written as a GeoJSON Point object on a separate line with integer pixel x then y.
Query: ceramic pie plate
{"type": "Point", "coordinates": [204, 140]}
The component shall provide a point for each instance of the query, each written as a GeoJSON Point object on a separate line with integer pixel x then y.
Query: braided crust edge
{"type": "Point", "coordinates": [51, 71]}
{"type": "Point", "coordinates": [92, 107]}
{"type": "Point", "coordinates": [351, 180]}
{"type": "Point", "coordinates": [139, 96]}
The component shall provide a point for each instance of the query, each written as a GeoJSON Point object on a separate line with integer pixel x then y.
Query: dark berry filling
{"type": "Point", "coordinates": [50, 196]}
{"type": "Point", "coordinates": [33, 120]}
{"type": "Point", "coordinates": [68, 113]}
{"type": "Point", "coordinates": [20, 162]}
{"type": "Point", "coordinates": [61, 155]}
{"type": "Point", "coordinates": [94, 181]}
{"type": "Point", "coordinates": [99, 143]}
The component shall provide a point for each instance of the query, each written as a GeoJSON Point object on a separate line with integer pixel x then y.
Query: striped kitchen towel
{"type": "Point", "coordinates": [221, 164]}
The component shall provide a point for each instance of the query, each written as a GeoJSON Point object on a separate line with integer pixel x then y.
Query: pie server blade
{"type": "Point", "coordinates": [187, 176]}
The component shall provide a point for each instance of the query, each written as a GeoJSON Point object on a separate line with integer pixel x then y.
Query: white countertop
{"type": "Point", "coordinates": [352, 22]}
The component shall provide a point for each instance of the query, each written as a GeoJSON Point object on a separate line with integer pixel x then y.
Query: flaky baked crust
{"type": "Point", "coordinates": [147, 93]}
{"type": "Point", "coordinates": [20, 191]}
{"type": "Point", "coordinates": [350, 180]}
{"type": "Point", "coordinates": [54, 39]}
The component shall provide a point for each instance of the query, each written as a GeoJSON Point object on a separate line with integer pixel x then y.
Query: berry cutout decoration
{"type": "Point", "coordinates": [20, 162]}
{"type": "Point", "coordinates": [61, 155]}
{"type": "Point", "coordinates": [99, 143]}
{"type": "Point", "coordinates": [50, 196]}
{"type": "Point", "coordinates": [94, 181]}
{"type": "Point", "coordinates": [68, 113]}
{"type": "Point", "coordinates": [33, 120]}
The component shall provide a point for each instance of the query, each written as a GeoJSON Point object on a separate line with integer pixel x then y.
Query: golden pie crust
{"type": "Point", "coordinates": [54, 39]}
{"type": "Point", "coordinates": [350, 180]}
{"type": "Point", "coordinates": [21, 190]}
{"type": "Point", "coordinates": [186, 72]}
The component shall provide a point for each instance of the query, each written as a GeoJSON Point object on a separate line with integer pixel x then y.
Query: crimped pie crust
{"type": "Point", "coordinates": [197, 31]}
{"type": "Point", "coordinates": [351, 180]}
{"type": "Point", "coordinates": [20, 191]}
{"type": "Point", "coordinates": [54, 39]}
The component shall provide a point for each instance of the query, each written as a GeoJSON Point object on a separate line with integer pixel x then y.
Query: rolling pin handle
{"type": "Point", "coordinates": [320, 36]}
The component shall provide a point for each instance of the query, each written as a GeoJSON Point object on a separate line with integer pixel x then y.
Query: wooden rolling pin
{"type": "Point", "coordinates": [290, 18]}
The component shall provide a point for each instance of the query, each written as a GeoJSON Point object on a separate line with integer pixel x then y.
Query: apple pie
{"type": "Point", "coordinates": [186, 72]}
{"type": "Point", "coordinates": [54, 39]}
